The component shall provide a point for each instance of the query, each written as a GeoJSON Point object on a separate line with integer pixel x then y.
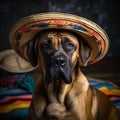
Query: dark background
{"type": "Point", "coordinates": [103, 12]}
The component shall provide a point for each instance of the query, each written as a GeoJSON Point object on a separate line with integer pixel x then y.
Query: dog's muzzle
{"type": "Point", "coordinates": [59, 69]}
{"type": "Point", "coordinates": [59, 61]}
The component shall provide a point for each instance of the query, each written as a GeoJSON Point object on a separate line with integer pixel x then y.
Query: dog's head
{"type": "Point", "coordinates": [58, 53]}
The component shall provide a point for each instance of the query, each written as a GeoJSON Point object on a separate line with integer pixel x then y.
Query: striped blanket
{"type": "Point", "coordinates": [15, 101]}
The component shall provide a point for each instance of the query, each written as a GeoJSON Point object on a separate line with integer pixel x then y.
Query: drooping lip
{"type": "Point", "coordinates": [66, 77]}
{"type": "Point", "coordinates": [58, 74]}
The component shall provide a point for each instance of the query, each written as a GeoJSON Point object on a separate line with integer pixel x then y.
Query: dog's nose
{"type": "Point", "coordinates": [59, 61]}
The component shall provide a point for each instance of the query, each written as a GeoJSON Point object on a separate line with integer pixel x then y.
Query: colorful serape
{"type": "Point", "coordinates": [15, 101]}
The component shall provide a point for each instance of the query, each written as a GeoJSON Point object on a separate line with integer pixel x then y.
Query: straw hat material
{"type": "Point", "coordinates": [12, 62]}
{"type": "Point", "coordinates": [25, 29]}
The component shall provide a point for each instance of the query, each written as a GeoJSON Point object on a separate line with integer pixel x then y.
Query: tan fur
{"type": "Point", "coordinates": [75, 101]}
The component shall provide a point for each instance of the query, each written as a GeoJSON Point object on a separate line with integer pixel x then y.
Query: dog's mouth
{"type": "Point", "coordinates": [58, 74]}
{"type": "Point", "coordinates": [61, 74]}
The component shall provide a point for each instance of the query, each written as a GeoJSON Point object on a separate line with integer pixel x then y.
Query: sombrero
{"type": "Point", "coordinates": [12, 62]}
{"type": "Point", "coordinates": [25, 29]}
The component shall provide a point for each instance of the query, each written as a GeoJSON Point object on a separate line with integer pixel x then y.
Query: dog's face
{"type": "Point", "coordinates": [57, 53]}
{"type": "Point", "coordinates": [58, 50]}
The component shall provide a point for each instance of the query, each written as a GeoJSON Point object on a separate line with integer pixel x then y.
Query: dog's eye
{"type": "Point", "coordinates": [47, 44]}
{"type": "Point", "coordinates": [67, 44]}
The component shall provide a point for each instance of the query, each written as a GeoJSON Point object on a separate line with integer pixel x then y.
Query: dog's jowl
{"type": "Point", "coordinates": [63, 92]}
{"type": "Point", "coordinates": [60, 43]}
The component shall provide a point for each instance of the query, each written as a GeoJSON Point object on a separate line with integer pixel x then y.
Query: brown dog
{"type": "Point", "coordinates": [62, 91]}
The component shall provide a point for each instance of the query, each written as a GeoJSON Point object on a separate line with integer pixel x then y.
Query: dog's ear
{"type": "Point", "coordinates": [85, 53]}
{"type": "Point", "coordinates": [30, 52]}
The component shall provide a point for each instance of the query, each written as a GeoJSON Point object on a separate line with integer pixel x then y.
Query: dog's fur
{"type": "Point", "coordinates": [62, 91]}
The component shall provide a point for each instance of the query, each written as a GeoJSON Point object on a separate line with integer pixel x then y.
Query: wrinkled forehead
{"type": "Point", "coordinates": [56, 34]}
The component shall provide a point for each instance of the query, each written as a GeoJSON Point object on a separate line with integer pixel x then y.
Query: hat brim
{"type": "Point", "coordinates": [25, 29]}
{"type": "Point", "coordinates": [10, 61]}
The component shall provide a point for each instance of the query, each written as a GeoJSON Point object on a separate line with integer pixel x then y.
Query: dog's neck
{"type": "Point", "coordinates": [57, 90]}
{"type": "Point", "coordinates": [57, 93]}
{"type": "Point", "coordinates": [81, 81]}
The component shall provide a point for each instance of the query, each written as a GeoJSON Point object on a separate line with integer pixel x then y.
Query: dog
{"type": "Point", "coordinates": [62, 91]}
